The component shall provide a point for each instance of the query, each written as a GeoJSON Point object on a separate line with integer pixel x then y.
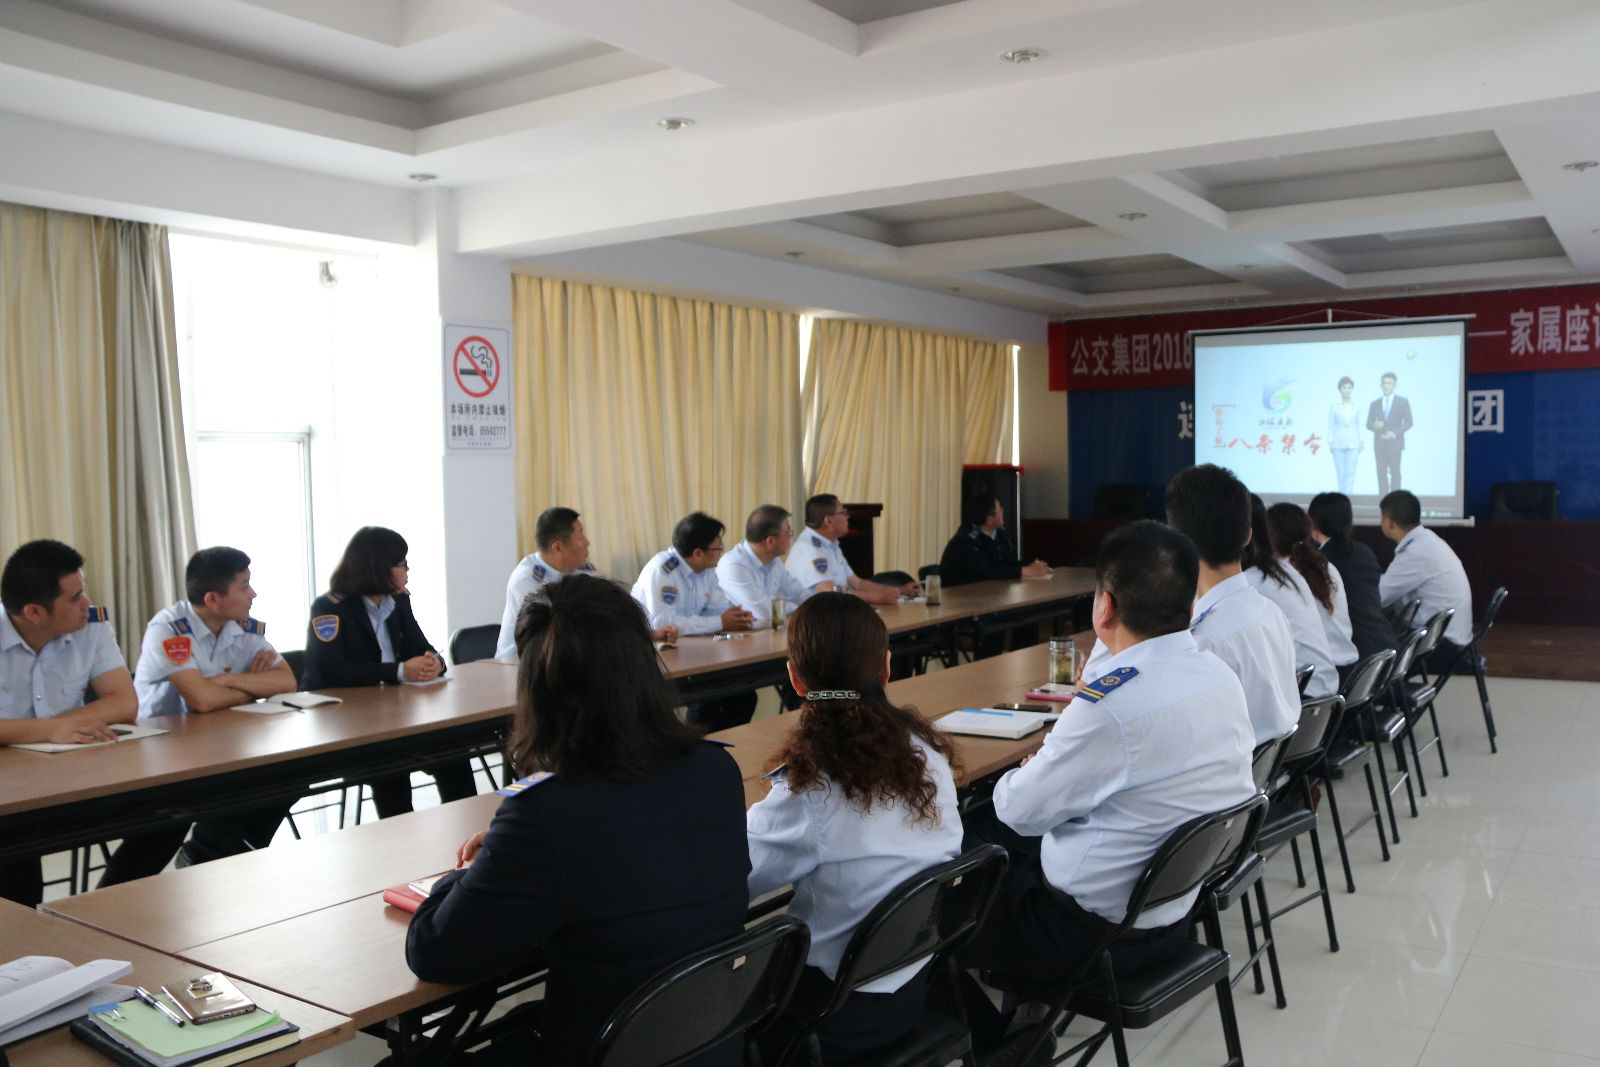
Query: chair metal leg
{"type": "Point", "coordinates": [1119, 1045]}
{"type": "Point", "coordinates": [1377, 815]}
{"type": "Point", "coordinates": [1416, 757]}
{"type": "Point", "coordinates": [1438, 740]}
{"type": "Point", "coordinates": [1230, 1024]}
{"type": "Point", "coordinates": [1402, 768]}
{"type": "Point", "coordinates": [1299, 871]}
{"type": "Point", "coordinates": [1327, 897]}
{"type": "Point", "coordinates": [293, 829]}
{"type": "Point", "coordinates": [1383, 778]}
{"type": "Point", "coordinates": [1338, 828]}
{"type": "Point", "coordinates": [1250, 941]}
{"type": "Point", "coordinates": [1483, 695]}
{"type": "Point", "coordinates": [1271, 943]}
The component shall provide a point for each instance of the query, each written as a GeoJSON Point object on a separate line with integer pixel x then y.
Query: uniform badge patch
{"type": "Point", "coordinates": [255, 626]}
{"type": "Point", "coordinates": [1097, 690]}
{"type": "Point", "coordinates": [326, 627]}
{"type": "Point", "coordinates": [178, 650]}
{"type": "Point", "coordinates": [669, 595]}
{"type": "Point", "coordinates": [821, 565]}
{"type": "Point", "coordinates": [669, 565]}
{"type": "Point", "coordinates": [99, 614]}
{"type": "Point", "coordinates": [539, 571]}
{"type": "Point", "coordinates": [524, 784]}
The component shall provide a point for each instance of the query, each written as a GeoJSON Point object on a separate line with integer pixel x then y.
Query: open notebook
{"type": "Point", "coordinates": [124, 732]}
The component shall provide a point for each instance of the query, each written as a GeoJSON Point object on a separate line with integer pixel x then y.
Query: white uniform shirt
{"type": "Point", "coordinates": [751, 584]}
{"type": "Point", "coordinates": [673, 594]}
{"type": "Point", "coordinates": [526, 577]}
{"type": "Point", "coordinates": [815, 559]}
{"type": "Point", "coordinates": [1116, 776]}
{"type": "Point", "coordinates": [842, 861]}
{"type": "Point", "coordinates": [1250, 634]}
{"type": "Point", "coordinates": [1425, 567]}
{"type": "Point", "coordinates": [45, 685]}
{"type": "Point", "coordinates": [1304, 615]}
{"type": "Point", "coordinates": [178, 640]}
{"type": "Point", "coordinates": [1336, 623]}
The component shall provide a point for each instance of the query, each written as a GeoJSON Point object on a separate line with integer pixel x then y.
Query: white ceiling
{"type": "Point", "coordinates": [1161, 153]}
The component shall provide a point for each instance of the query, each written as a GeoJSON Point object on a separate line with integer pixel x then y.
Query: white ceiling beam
{"type": "Point", "coordinates": [1221, 292]}
{"type": "Point", "coordinates": [994, 281]}
{"type": "Point", "coordinates": [1075, 245]}
{"type": "Point", "coordinates": [808, 237]}
{"type": "Point", "coordinates": [1569, 200]}
{"type": "Point", "coordinates": [1552, 267]}
{"type": "Point", "coordinates": [1427, 209]}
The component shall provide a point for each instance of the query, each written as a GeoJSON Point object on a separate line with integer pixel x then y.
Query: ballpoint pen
{"type": "Point", "coordinates": [144, 994]}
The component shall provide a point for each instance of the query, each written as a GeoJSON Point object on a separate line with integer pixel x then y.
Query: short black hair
{"type": "Point", "coordinates": [1332, 514]}
{"type": "Point", "coordinates": [695, 531]}
{"type": "Point", "coordinates": [1390, 376]}
{"type": "Point", "coordinates": [764, 522]}
{"type": "Point", "coordinates": [1403, 508]}
{"type": "Point", "coordinates": [364, 568]}
{"type": "Point", "coordinates": [978, 507]}
{"type": "Point", "coordinates": [1151, 571]}
{"type": "Point", "coordinates": [592, 698]}
{"type": "Point", "coordinates": [1347, 380]}
{"type": "Point", "coordinates": [554, 525]}
{"type": "Point", "coordinates": [1211, 506]}
{"type": "Point", "coordinates": [820, 507]}
{"type": "Point", "coordinates": [212, 570]}
{"type": "Point", "coordinates": [33, 574]}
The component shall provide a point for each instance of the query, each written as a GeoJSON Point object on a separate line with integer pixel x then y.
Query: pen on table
{"type": "Point", "coordinates": [144, 994]}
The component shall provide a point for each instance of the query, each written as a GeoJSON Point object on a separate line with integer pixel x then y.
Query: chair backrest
{"type": "Point", "coordinates": [932, 912]}
{"type": "Point", "coordinates": [471, 643]}
{"type": "Point", "coordinates": [1264, 762]}
{"type": "Point", "coordinates": [925, 570]}
{"type": "Point", "coordinates": [1121, 502]}
{"type": "Point", "coordinates": [1403, 613]}
{"type": "Point", "coordinates": [894, 578]}
{"type": "Point", "coordinates": [1490, 612]}
{"type": "Point", "coordinates": [1200, 851]}
{"type": "Point", "coordinates": [1525, 501]}
{"type": "Point", "coordinates": [1369, 676]}
{"type": "Point", "coordinates": [1317, 717]}
{"type": "Point", "coordinates": [705, 999]}
{"type": "Point", "coordinates": [1302, 677]}
{"type": "Point", "coordinates": [297, 663]}
{"type": "Point", "coordinates": [1406, 653]}
{"type": "Point", "coordinates": [1432, 631]}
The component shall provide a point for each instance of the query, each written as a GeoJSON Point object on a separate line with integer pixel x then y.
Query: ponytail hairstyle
{"type": "Point", "coordinates": [1259, 553]}
{"type": "Point", "coordinates": [860, 744]}
{"type": "Point", "coordinates": [1291, 537]}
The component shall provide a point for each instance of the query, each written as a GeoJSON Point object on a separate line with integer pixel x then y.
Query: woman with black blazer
{"type": "Point", "coordinates": [623, 851]}
{"type": "Point", "coordinates": [362, 632]}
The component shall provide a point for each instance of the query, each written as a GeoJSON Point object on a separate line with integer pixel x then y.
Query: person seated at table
{"type": "Point", "coordinates": [362, 632]}
{"type": "Point", "coordinates": [753, 575]}
{"type": "Point", "coordinates": [563, 550]}
{"type": "Point", "coordinates": [623, 851]}
{"type": "Point", "coordinates": [818, 563]}
{"type": "Point", "coordinates": [204, 654]}
{"type": "Point", "coordinates": [1426, 568]}
{"type": "Point", "coordinates": [1287, 589]}
{"type": "Point", "coordinates": [1332, 520]}
{"type": "Point", "coordinates": [55, 648]}
{"type": "Point", "coordinates": [678, 590]}
{"type": "Point", "coordinates": [862, 799]}
{"type": "Point", "coordinates": [981, 550]}
{"type": "Point", "coordinates": [1291, 540]}
{"type": "Point", "coordinates": [1163, 736]}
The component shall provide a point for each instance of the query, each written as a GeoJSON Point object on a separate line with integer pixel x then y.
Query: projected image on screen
{"type": "Point", "coordinates": [1360, 410]}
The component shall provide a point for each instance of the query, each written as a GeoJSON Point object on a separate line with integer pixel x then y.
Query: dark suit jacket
{"type": "Point", "coordinates": [1358, 570]}
{"type": "Point", "coordinates": [971, 556]}
{"type": "Point", "coordinates": [1399, 420]}
{"type": "Point", "coordinates": [613, 880]}
{"type": "Point", "coordinates": [350, 656]}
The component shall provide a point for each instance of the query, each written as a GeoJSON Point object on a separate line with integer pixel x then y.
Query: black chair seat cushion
{"type": "Point", "coordinates": [1147, 995]}
{"type": "Point", "coordinates": [1344, 755]}
{"type": "Point", "coordinates": [1390, 725]}
{"type": "Point", "coordinates": [1419, 694]}
{"type": "Point", "coordinates": [1246, 875]}
{"type": "Point", "coordinates": [935, 1039]}
{"type": "Point", "coordinates": [1283, 824]}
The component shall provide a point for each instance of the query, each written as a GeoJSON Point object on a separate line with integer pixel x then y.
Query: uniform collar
{"type": "Point", "coordinates": [198, 625]}
{"type": "Point", "coordinates": [1407, 539]}
{"type": "Point", "coordinates": [755, 560]}
{"type": "Point", "coordinates": [1224, 589]}
{"type": "Point", "coordinates": [381, 610]}
{"type": "Point", "coordinates": [9, 637]}
{"type": "Point", "coordinates": [1151, 648]}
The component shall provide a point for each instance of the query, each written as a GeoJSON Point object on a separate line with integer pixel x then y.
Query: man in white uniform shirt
{"type": "Point", "coordinates": [562, 549]}
{"type": "Point", "coordinates": [204, 654]}
{"type": "Point", "coordinates": [55, 647]}
{"type": "Point", "coordinates": [753, 573]}
{"type": "Point", "coordinates": [817, 562]}
{"type": "Point", "coordinates": [1162, 737]}
{"type": "Point", "coordinates": [1428, 569]}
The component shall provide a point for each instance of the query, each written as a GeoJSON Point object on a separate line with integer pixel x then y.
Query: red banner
{"type": "Point", "coordinates": [1556, 328]}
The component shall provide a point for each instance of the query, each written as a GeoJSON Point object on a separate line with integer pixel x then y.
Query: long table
{"type": "Point", "coordinates": [307, 917]}
{"type": "Point", "coordinates": [24, 932]}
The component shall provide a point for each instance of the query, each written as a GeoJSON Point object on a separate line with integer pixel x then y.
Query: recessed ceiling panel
{"type": "Point", "coordinates": [957, 218]}
{"type": "Point", "coordinates": [1444, 246]}
{"type": "Point", "coordinates": [1124, 275]}
{"type": "Point", "coordinates": [862, 11]}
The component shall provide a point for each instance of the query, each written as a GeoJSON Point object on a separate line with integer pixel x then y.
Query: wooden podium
{"type": "Point", "coordinates": [857, 543]}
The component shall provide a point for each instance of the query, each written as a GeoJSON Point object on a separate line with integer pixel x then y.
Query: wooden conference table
{"type": "Point", "coordinates": [29, 933]}
{"type": "Point", "coordinates": [226, 761]}
{"type": "Point", "coordinates": [307, 918]}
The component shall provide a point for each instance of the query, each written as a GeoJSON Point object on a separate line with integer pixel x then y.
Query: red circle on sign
{"type": "Point", "coordinates": [476, 361]}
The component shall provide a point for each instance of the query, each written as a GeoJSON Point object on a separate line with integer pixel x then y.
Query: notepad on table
{"type": "Point", "coordinates": [138, 1034]}
{"type": "Point", "coordinates": [409, 897]}
{"type": "Point", "coordinates": [1053, 691]}
{"type": "Point", "coordinates": [124, 731]}
{"type": "Point", "coordinates": [287, 702]}
{"type": "Point", "coordinates": [38, 992]}
{"type": "Point", "coordinates": [993, 722]}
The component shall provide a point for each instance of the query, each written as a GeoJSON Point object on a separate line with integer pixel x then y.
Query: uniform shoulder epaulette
{"type": "Point", "coordinates": [99, 613]}
{"type": "Point", "coordinates": [776, 772]}
{"type": "Point", "coordinates": [522, 785]}
{"type": "Point", "coordinates": [669, 565]}
{"type": "Point", "coordinates": [334, 598]}
{"type": "Point", "coordinates": [1098, 689]}
{"type": "Point", "coordinates": [816, 541]}
{"type": "Point", "coordinates": [973, 533]}
{"type": "Point", "coordinates": [539, 571]}
{"type": "Point", "coordinates": [182, 626]}
{"type": "Point", "coordinates": [254, 626]}
{"type": "Point", "coordinates": [588, 568]}
{"type": "Point", "coordinates": [1194, 624]}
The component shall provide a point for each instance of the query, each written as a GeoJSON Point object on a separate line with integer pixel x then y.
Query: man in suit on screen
{"type": "Point", "coordinates": [1389, 418]}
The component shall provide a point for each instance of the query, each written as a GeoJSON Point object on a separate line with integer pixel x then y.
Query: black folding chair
{"type": "Point", "coordinates": [1414, 697]}
{"type": "Point", "coordinates": [1302, 677]}
{"type": "Point", "coordinates": [1193, 857]}
{"type": "Point", "coordinates": [1382, 722]}
{"type": "Point", "coordinates": [1342, 754]}
{"type": "Point", "coordinates": [296, 660]}
{"type": "Point", "coordinates": [734, 988]}
{"type": "Point", "coordinates": [472, 643]}
{"type": "Point", "coordinates": [1471, 658]}
{"type": "Point", "coordinates": [932, 913]}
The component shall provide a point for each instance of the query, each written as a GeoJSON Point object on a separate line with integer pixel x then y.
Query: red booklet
{"type": "Point", "coordinates": [409, 897]}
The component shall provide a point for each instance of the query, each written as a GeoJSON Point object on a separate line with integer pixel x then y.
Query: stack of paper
{"type": "Point", "coordinates": [38, 992]}
{"type": "Point", "coordinates": [135, 1034]}
{"type": "Point", "coordinates": [993, 722]}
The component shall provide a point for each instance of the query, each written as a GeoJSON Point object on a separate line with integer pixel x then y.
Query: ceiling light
{"type": "Point", "coordinates": [675, 124]}
{"type": "Point", "coordinates": [794, 255]}
{"type": "Point", "coordinates": [1581, 165]}
{"type": "Point", "coordinates": [1020, 56]}
{"type": "Point", "coordinates": [955, 288]}
{"type": "Point", "coordinates": [423, 177]}
{"type": "Point", "coordinates": [1133, 216]}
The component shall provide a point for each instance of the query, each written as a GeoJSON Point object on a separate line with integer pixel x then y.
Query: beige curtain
{"type": "Point", "coordinates": [637, 409]}
{"type": "Point", "coordinates": [891, 416]}
{"type": "Point", "coordinates": [91, 421]}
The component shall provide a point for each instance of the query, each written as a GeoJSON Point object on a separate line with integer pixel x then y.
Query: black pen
{"type": "Point", "coordinates": [144, 994]}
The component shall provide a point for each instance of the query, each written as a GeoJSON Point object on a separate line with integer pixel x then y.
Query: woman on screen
{"type": "Point", "coordinates": [1344, 436]}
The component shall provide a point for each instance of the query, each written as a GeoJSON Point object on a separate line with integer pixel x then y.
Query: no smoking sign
{"type": "Point", "coordinates": [477, 387]}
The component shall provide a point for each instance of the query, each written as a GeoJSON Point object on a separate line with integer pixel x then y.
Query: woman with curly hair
{"type": "Point", "coordinates": [862, 798]}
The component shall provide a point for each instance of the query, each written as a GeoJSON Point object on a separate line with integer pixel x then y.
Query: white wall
{"type": "Point", "coordinates": [1042, 419]}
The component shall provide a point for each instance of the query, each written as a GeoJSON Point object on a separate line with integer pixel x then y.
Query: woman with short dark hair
{"type": "Point", "coordinates": [363, 632]}
{"type": "Point", "coordinates": [621, 852]}
{"type": "Point", "coordinates": [862, 798]}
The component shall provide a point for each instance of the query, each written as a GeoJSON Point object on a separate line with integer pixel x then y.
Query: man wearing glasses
{"type": "Point", "coordinates": [817, 562]}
